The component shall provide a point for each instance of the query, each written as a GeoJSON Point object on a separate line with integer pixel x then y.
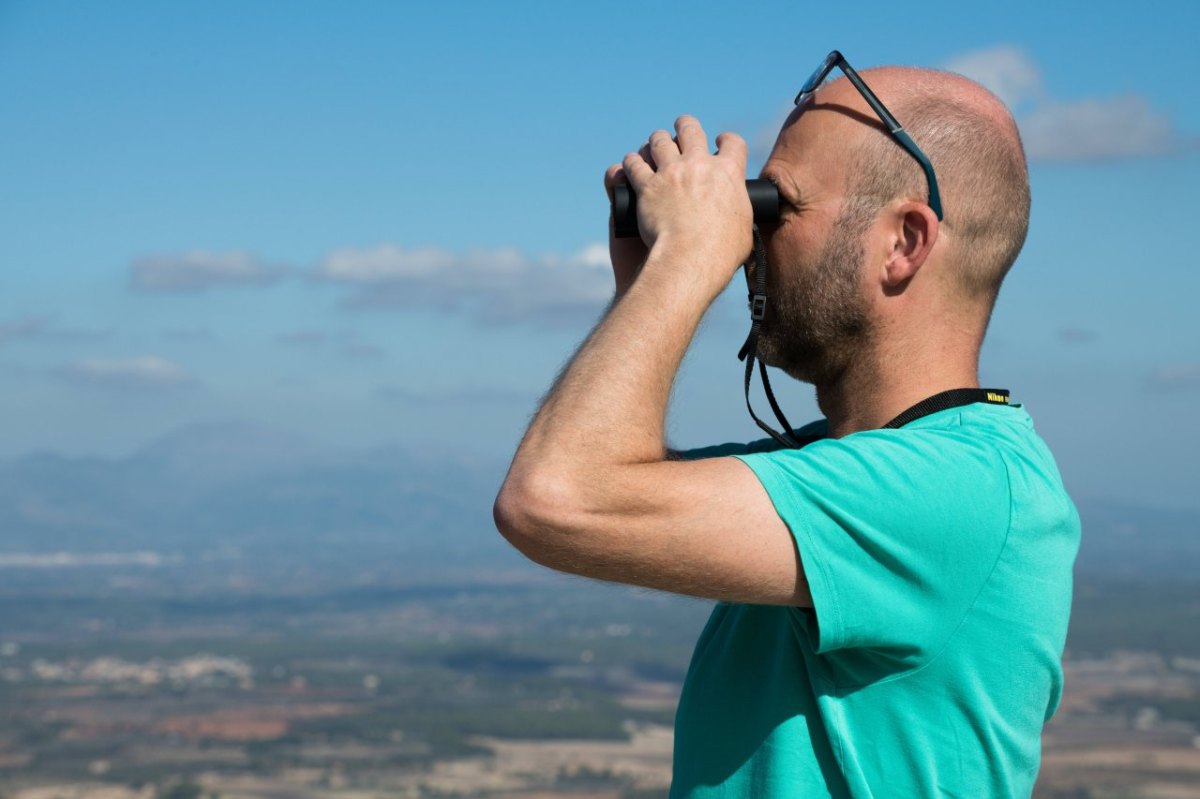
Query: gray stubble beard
{"type": "Point", "coordinates": [817, 323]}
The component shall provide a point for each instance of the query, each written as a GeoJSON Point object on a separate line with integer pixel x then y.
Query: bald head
{"type": "Point", "coordinates": [972, 141]}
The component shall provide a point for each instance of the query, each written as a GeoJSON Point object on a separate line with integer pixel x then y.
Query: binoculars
{"type": "Point", "coordinates": [764, 198]}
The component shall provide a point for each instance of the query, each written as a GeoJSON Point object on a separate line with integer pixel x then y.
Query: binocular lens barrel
{"type": "Point", "coordinates": [764, 198]}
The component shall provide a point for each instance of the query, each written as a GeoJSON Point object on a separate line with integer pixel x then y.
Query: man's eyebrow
{"type": "Point", "coordinates": [786, 188]}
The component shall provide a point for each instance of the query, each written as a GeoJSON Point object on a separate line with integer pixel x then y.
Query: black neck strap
{"type": "Point", "coordinates": [944, 400]}
{"type": "Point", "coordinates": [949, 399]}
{"type": "Point", "coordinates": [749, 351]}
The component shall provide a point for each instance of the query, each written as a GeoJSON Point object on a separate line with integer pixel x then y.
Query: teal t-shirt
{"type": "Point", "coordinates": [939, 557]}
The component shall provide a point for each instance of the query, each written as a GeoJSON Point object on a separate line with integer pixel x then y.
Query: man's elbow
{"type": "Point", "coordinates": [530, 514]}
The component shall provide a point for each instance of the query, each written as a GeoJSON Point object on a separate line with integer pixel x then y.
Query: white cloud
{"type": "Point", "coordinates": [56, 560]}
{"type": "Point", "coordinates": [197, 270]}
{"type": "Point", "coordinates": [40, 328]}
{"type": "Point", "coordinates": [495, 286]}
{"type": "Point", "coordinates": [25, 327]}
{"type": "Point", "coordinates": [1006, 70]}
{"type": "Point", "coordinates": [307, 339]}
{"type": "Point", "coordinates": [1176, 377]}
{"type": "Point", "coordinates": [1087, 129]}
{"type": "Point", "coordinates": [344, 344]}
{"type": "Point", "coordinates": [362, 352]}
{"type": "Point", "coordinates": [384, 263]}
{"type": "Point", "coordinates": [1098, 130]}
{"type": "Point", "coordinates": [141, 373]}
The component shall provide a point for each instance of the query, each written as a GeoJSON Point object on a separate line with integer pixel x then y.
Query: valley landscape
{"type": "Point", "coordinates": [233, 612]}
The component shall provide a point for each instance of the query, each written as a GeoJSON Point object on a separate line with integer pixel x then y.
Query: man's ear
{"type": "Point", "coordinates": [914, 233]}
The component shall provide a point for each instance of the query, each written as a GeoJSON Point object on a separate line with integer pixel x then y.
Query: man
{"type": "Point", "coordinates": [893, 600]}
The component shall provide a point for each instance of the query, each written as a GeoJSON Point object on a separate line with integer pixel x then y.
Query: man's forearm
{"type": "Point", "coordinates": [608, 407]}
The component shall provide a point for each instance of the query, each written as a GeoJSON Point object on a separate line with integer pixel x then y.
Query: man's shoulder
{"type": "Point", "coordinates": [925, 471]}
{"type": "Point", "coordinates": [975, 433]}
{"type": "Point", "coordinates": [956, 449]}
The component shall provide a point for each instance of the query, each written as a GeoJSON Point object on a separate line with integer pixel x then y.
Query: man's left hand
{"type": "Point", "coordinates": [694, 203]}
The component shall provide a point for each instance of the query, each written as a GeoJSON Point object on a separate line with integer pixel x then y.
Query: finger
{"type": "Point", "coordinates": [647, 156]}
{"type": "Point", "coordinates": [692, 138]}
{"type": "Point", "coordinates": [614, 176]}
{"type": "Point", "coordinates": [731, 145]}
{"type": "Point", "coordinates": [637, 170]}
{"type": "Point", "coordinates": [663, 147]}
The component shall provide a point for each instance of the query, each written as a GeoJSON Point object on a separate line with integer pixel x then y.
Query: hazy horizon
{"type": "Point", "coordinates": [382, 224]}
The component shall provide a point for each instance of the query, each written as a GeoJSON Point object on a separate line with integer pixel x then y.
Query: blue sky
{"type": "Point", "coordinates": [375, 222]}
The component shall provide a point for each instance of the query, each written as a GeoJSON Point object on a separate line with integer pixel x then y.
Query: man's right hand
{"type": "Point", "coordinates": [627, 254]}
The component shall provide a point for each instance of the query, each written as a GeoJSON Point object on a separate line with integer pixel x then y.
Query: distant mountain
{"type": "Point", "coordinates": [271, 501]}
{"type": "Point", "coordinates": [208, 454]}
{"type": "Point", "coordinates": [256, 492]}
{"type": "Point", "coordinates": [1125, 541]}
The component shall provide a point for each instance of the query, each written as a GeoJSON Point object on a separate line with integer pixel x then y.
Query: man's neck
{"type": "Point", "coordinates": [878, 387]}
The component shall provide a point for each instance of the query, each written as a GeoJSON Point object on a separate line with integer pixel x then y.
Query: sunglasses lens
{"type": "Point", "coordinates": [814, 79]}
{"type": "Point", "coordinates": [818, 75]}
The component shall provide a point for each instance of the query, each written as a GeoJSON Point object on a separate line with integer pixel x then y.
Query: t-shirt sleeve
{"type": "Point", "coordinates": [897, 532]}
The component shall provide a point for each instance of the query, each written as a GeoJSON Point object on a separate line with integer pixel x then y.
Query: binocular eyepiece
{"type": "Point", "coordinates": [764, 199]}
